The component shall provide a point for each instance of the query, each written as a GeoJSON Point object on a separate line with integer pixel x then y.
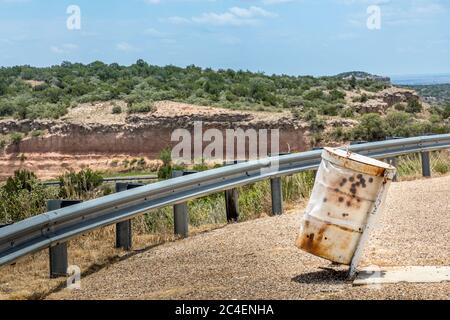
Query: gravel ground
{"type": "Point", "coordinates": [258, 259]}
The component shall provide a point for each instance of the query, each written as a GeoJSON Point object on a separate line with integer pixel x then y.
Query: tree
{"type": "Point", "coordinates": [446, 113]}
{"type": "Point", "coordinates": [414, 106]}
{"type": "Point", "coordinates": [353, 82]}
{"type": "Point", "coordinates": [3, 86]}
{"type": "Point", "coordinates": [370, 128]}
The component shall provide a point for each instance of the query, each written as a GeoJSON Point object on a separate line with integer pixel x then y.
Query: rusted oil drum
{"type": "Point", "coordinates": [344, 195]}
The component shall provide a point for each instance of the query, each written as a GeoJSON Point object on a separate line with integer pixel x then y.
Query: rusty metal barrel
{"type": "Point", "coordinates": [349, 188]}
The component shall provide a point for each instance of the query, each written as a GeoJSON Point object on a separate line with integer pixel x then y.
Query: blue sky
{"type": "Point", "coordinates": [317, 37]}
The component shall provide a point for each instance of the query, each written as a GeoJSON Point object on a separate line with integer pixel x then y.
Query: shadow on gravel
{"type": "Point", "coordinates": [325, 276]}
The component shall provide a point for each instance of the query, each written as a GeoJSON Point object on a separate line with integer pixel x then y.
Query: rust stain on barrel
{"type": "Point", "coordinates": [319, 245]}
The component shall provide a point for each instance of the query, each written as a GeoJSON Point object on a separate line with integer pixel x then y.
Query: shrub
{"type": "Point", "coordinates": [414, 106]}
{"type": "Point", "coordinates": [446, 111]}
{"type": "Point", "coordinates": [16, 137]}
{"type": "Point", "coordinates": [336, 95]}
{"type": "Point", "coordinates": [141, 107]}
{"type": "Point", "coordinates": [347, 112]}
{"type": "Point", "coordinates": [23, 196]}
{"type": "Point", "coordinates": [310, 114]}
{"type": "Point", "coordinates": [441, 167]}
{"type": "Point", "coordinates": [22, 180]}
{"type": "Point", "coordinates": [46, 111]}
{"type": "Point", "coordinates": [296, 113]}
{"type": "Point", "coordinates": [79, 185]}
{"type": "Point", "coordinates": [165, 172]}
{"type": "Point", "coordinates": [37, 133]}
{"type": "Point", "coordinates": [116, 110]}
{"type": "Point", "coordinates": [400, 107]}
{"type": "Point", "coordinates": [370, 128]}
{"type": "Point", "coordinates": [316, 123]}
{"type": "Point", "coordinates": [314, 95]}
{"type": "Point", "coordinates": [337, 133]}
{"type": "Point", "coordinates": [363, 98]}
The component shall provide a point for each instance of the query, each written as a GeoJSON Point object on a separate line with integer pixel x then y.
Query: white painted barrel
{"type": "Point", "coordinates": [344, 195]}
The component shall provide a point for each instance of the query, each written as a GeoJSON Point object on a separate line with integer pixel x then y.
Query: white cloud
{"type": "Point", "coordinates": [395, 13]}
{"type": "Point", "coordinates": [250, 12]}
{"type": "Point", "coordinates": [154, 33]}
{"type": "Point", "coordinates": [64, 49]}
{"type": "Point", "coordinates": [126, 47]}
{"type": "Point", "coordinates": [178, 20]}
{"type": "Point", "coordinates": [235, 16]}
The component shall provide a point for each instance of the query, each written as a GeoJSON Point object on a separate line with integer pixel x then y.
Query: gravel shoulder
{"type": "Point", "coordinates": [258, 259]}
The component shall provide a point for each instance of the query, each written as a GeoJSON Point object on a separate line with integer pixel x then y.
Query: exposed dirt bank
{"type": "Point", "coordinates": [90, 135]}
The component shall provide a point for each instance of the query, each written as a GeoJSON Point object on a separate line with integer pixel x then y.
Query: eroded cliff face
{"type": "Point", "coordinates": [91, 135]}
{"type": "Point", "coordinates": [72, 144]}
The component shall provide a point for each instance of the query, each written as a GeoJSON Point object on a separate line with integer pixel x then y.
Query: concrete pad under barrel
{"type": "Point", "coordinates": [373, 275]}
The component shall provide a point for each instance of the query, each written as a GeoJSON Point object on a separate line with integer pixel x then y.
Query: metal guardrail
{"type": "Point", "coordinates": [55, 228]}
{"type": "Point", "coordinates": [113, 179]}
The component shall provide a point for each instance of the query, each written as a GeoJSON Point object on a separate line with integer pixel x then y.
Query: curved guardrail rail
{"type": "Point", "coordinates": [112, 179]}
{"type": "Point", "coordinates": [57, 227]}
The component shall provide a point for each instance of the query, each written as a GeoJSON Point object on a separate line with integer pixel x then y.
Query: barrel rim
{"type": "Point", "coordinates": [357, 162]}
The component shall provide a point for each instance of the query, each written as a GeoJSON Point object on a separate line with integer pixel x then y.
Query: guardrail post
{"type": "Point", "coordinates": [277, 195]}
{"type": "Point", "coordinates": [180, 211]}
{"type": "Point", "coordinates": [426, 165]}
{"type": "Point", "coordinates": [124, 235]}
{"type": "Point", "coordinates": [232, 200]}
{"type": "Point", "coordinates": [232, 204]}
{"type": "Point", "coordinates": [58, 254]}
{"type": "Point", "coordinates": [393, 162]}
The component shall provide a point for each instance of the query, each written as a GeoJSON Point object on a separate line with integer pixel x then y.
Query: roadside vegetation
{"type": "Point", "coordinates": [31, 93]}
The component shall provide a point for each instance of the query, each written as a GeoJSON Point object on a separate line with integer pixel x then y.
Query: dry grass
{"type": "Point", "coordinates": [29, 277]}
{"type": "Point", "coordinates": [409, 167]}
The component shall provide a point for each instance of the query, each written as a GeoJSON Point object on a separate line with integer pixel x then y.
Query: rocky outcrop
{"type": "Point", "coordinates": [393, 96]}
{"type": "Point", "coordinates": [384, 100]}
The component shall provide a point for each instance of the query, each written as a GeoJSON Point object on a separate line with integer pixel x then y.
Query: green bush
{"type": "Point", "coordinates": [336, 95]}
{"type": "Point", "coordinates": [370, 128]}
{"type": "Point", "coordinates": [400, 107]}
{"type": "Point", "coordinates": [317, 124]}
{"type": "Point", "coordinates": [37, 133]}
{"type": "Point", "coordinates": [165, 171]}
{"type": "Point", "coordinates": [314, 95]}
{"type": "Point", "coordinates": [16, 137]}
{"type": "Point", "coordinates": [347, 112]}
{"type": "Point", "coordinates": [23, 196]}
{"type": "Point", "coordinates": [446, 111]}
{"type": "Point", "coordinates": [296, 113]}
{"type": "Point", "coordinates": [116, 110]}
{"type": "Point", "coordinates": [414, 106]}
{"type": "Point", "coordinates": [141, 107]}
{"type": "Point", "coordinates": [80, 185]}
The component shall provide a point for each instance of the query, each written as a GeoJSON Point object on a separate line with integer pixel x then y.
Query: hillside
{"type": "Point", "coordinates": [98, 115]}
{"type": "Point", "coordinates": [28, 92]}
{"type": "Point", "coordinates": [435, 93]}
